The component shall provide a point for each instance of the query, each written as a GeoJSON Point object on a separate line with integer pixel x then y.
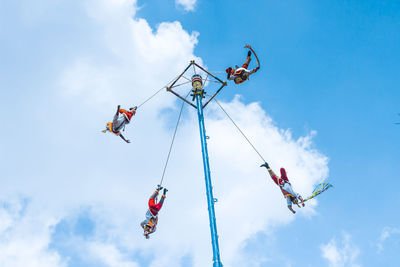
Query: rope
{"type": "Point", "coordinates": [239, 129]}
{"type": "Point", "coordinates": [194, 69]}
{"type": "Point", "coordinates": [217, 71]}
{"type": "Point", "coordinates": [173, 139]}
{"type": "Point", "coordinates": [181, 84]}
{"type": "Point", "coordinates": [205, 81]}
{"type": "Point", "coordinates": [153, 95]}
{"type": "Point", "coordinates": [186, 78]}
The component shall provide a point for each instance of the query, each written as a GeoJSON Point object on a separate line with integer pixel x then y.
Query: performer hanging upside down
{"type": "Point", "coordinates": [150, 224]}
{"type": "Point", "coordinates": [240, 75]}
{"type": "Point", "coordinates": [119, 122]}
{"type": "Point", "coordinates": [286, 187]}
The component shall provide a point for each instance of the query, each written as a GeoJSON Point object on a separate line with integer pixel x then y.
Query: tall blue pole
{"type": "Point", "coordinates": [198, 93]}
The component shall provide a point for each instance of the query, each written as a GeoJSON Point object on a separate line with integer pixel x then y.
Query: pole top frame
{"type": "Point", "coordinates": [195, 65]}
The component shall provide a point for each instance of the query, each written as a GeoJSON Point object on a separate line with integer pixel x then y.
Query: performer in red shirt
{"type": "Point", "coordinates": [286, 187]}
{"type": "Point", "coordinates": [119, 122]}
{"type": "Point", "coordinates": [150, 224]}
{"type": "Point", "coordinates": [240, 75]}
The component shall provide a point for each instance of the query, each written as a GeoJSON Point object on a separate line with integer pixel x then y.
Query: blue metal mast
{"type": "Point", "coordinates": [198, 94]}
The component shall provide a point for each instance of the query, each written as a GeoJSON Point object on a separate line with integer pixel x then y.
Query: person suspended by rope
{"type": "Point", "coordinates": [149, 225]}
{"type": "Point", "coordinates": [121, 118]}
{"type": "Point", "coordinates": [286, 188]}
{"type": "Point", "coordinates": [240, 75]}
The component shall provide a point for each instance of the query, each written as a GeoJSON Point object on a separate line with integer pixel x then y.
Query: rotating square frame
{"type": "Point", "coordinates": [194, 64]}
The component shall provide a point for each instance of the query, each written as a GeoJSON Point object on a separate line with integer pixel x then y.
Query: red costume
{"type": "Point", "coordinates": [280, 181]}
{"type": "Point", "coordinates": [127, 114]}
{"type": "Point", "coordinates": [150, 224]}
{"type": "Point", "coordinates": [285, 186]}
{"type": "Point", "coordinates": [242, 74]}
{"type": "Point", "coordinates": [119, 122]}
{"type": "Point", "coordinates": [153, 207]}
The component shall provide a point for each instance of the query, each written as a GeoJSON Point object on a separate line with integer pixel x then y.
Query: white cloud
{"type": "Point", "coordinates": [69, 163]}
{"type": "Point", "coordinates": [341, 253]}
{"type": "Point", "coordinates": [188, 5]}
{"type": "Point", "coordinates": [110, 255]}
{"type": "Point", "coordinates": [24, 241]}
{"type": "Point", "coordinates": [386, 233]}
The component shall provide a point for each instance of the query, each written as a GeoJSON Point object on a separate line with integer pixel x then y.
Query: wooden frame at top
{"type": "Point", "coordinates": [194, 64]}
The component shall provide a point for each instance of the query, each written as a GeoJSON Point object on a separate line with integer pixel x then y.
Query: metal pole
{"type": "Point", "coordinates": [198, 93]}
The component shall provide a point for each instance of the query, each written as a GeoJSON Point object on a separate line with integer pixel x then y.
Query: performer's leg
{"type": "Point", "coordinates": [247, 62]}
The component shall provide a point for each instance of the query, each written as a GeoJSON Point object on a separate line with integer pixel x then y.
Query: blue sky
{"type": "Point", "coordinates": [328, 70]}
{"type": "Point", "coordinates": [332, 67]}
